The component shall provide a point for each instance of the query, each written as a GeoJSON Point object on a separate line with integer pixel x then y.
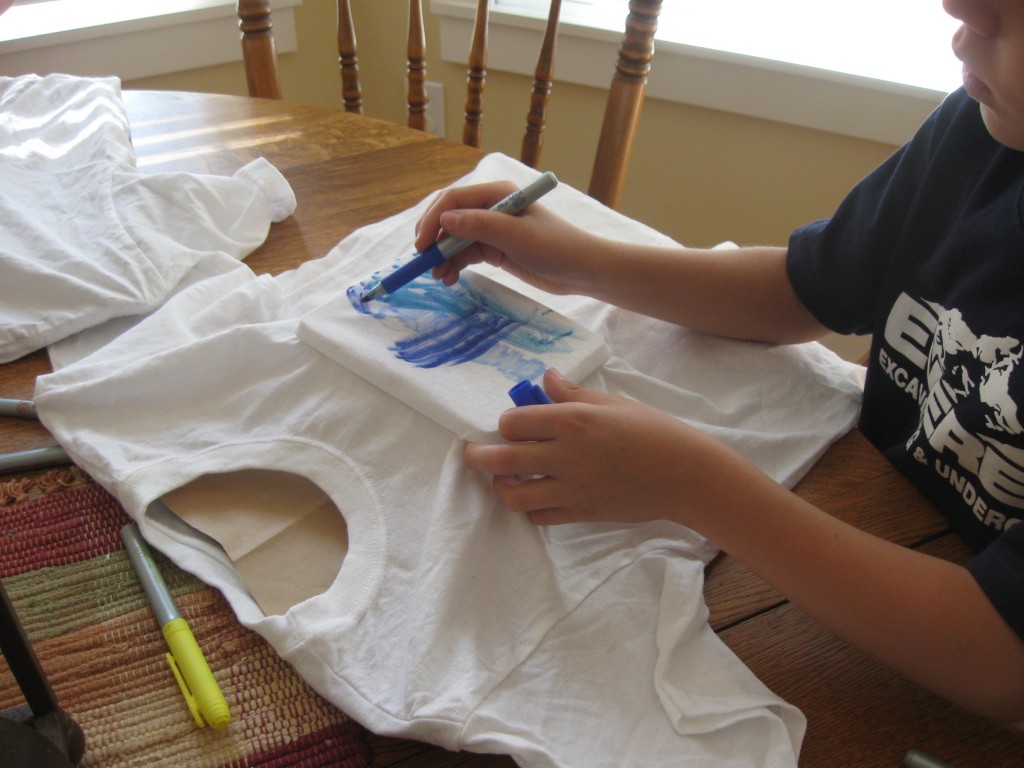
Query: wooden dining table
{"type": "Point", "coordinates": [348, 171]}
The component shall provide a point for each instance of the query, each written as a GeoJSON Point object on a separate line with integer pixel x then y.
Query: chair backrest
{"type": "Point", "coordinates": [622, 111]}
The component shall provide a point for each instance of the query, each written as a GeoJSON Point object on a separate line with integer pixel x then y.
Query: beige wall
{"type": "Point", "coordinates": [699, 175]}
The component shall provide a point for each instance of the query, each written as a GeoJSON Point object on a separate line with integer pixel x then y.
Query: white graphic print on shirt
{"type": "Point", "coordinates": [969, 429]}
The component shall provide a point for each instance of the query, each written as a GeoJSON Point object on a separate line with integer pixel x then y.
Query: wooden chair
{"type": "Point", "coordinates": [622, 112]}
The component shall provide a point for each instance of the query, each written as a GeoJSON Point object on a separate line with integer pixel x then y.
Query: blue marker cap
{"type": "Point", "coordinates": [525, 393]}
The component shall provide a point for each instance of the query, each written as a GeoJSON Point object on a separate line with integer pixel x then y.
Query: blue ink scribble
{"type": "Point", "coordinates": [452, 326]}
{"type": "Point", "coordinates": [455, 340]}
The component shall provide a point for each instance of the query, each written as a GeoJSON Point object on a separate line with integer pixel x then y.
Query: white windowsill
{"type": "Point", "coordinates": [128, 38]}
{"type": "Point", "coordinates": [813, 97]}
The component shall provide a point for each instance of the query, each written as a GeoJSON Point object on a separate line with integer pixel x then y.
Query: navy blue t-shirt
{"type": "Point", "coordinates": [927, 255]}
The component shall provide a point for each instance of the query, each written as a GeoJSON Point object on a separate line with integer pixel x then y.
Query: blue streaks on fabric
{"type": "Point", "coordinates": [460, 324]}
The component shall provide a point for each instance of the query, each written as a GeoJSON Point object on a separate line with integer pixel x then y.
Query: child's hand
{"type": "Point", "coordinates": [536, 246]}
{"type": "Point", "coordinates": [602, 458]}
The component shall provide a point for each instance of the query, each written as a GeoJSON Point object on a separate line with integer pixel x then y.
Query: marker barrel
{"type": "Point", "coordinates": [34, 458]}
{"type": "Point", "coordinates": [20, 409]}
{"type": "Point", "coordinates": [205, 700]}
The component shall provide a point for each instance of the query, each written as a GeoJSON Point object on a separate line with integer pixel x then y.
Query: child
{"type": "Point", "coordinates": [926, 254]}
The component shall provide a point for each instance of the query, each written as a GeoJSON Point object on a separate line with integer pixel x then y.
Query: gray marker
{"type": "Point", "coordinates": [153, 584]}
{"type": "Point", "coordinates": [22, 409]}
{"type": "Point", "coordinates": [34, 459]}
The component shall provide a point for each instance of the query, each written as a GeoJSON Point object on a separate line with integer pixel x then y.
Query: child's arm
{"type": "Point", "coordinates": [742, 293]}
{"type": "Point", "coordinates": [605, 458]}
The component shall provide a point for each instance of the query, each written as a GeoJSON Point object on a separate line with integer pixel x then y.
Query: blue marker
{"type": "Point", "coordinates": [525, 393]}
{"type": "Point", "coordinates": [448, 246]}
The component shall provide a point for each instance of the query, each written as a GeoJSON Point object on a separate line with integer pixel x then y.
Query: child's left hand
{"type": "Point", "coordinates": [596, 457]}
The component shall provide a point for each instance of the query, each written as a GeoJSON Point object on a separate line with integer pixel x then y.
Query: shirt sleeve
{"type": "Point", "coordinates": [838, 266]}
{"type": "Point", "coordinates": [999, 570]}
{"type": "Point", "coordinates": [86, 236]}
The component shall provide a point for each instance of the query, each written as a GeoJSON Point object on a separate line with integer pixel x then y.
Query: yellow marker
{"type": "Point", "coordinates": [202, 694]}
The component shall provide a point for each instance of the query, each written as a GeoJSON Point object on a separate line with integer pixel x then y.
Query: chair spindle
{"type": "Point", "coordinates": [417, 67]}
{"type": "Point", "coordinates": [258, 48]}
{"type": "Point", "coordinates": [348, 62]}
{"type": "Point", "coordinates": [622, 111]}
{"type": "Point", "coordinates": [472, 129]}
{"type": "Point", "coordinates": [537, 117]}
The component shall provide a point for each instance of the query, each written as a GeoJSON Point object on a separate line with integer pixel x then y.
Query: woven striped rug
{"type": "Point", "coordinates": [65, 569]}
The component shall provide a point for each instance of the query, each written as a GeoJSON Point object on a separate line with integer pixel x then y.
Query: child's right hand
{"type": "Point", "coordinates": [536, 246]}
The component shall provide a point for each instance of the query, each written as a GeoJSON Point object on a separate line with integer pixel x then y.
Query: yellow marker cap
{"type": "Point", "coordinates": [197, 683]}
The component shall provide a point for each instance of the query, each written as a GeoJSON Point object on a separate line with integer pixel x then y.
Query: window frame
{"type": "Point", "coordinates": [810, 97]}
{"type": "Point", "coordinates": [118, 38]}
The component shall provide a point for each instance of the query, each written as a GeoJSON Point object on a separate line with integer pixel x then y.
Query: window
{"type": "Point", "coordinates": [905, 42]}
{"type": "Point", "coordinates": [871, 68]}
{"type": "Point", "coordinates": [103, 37]}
